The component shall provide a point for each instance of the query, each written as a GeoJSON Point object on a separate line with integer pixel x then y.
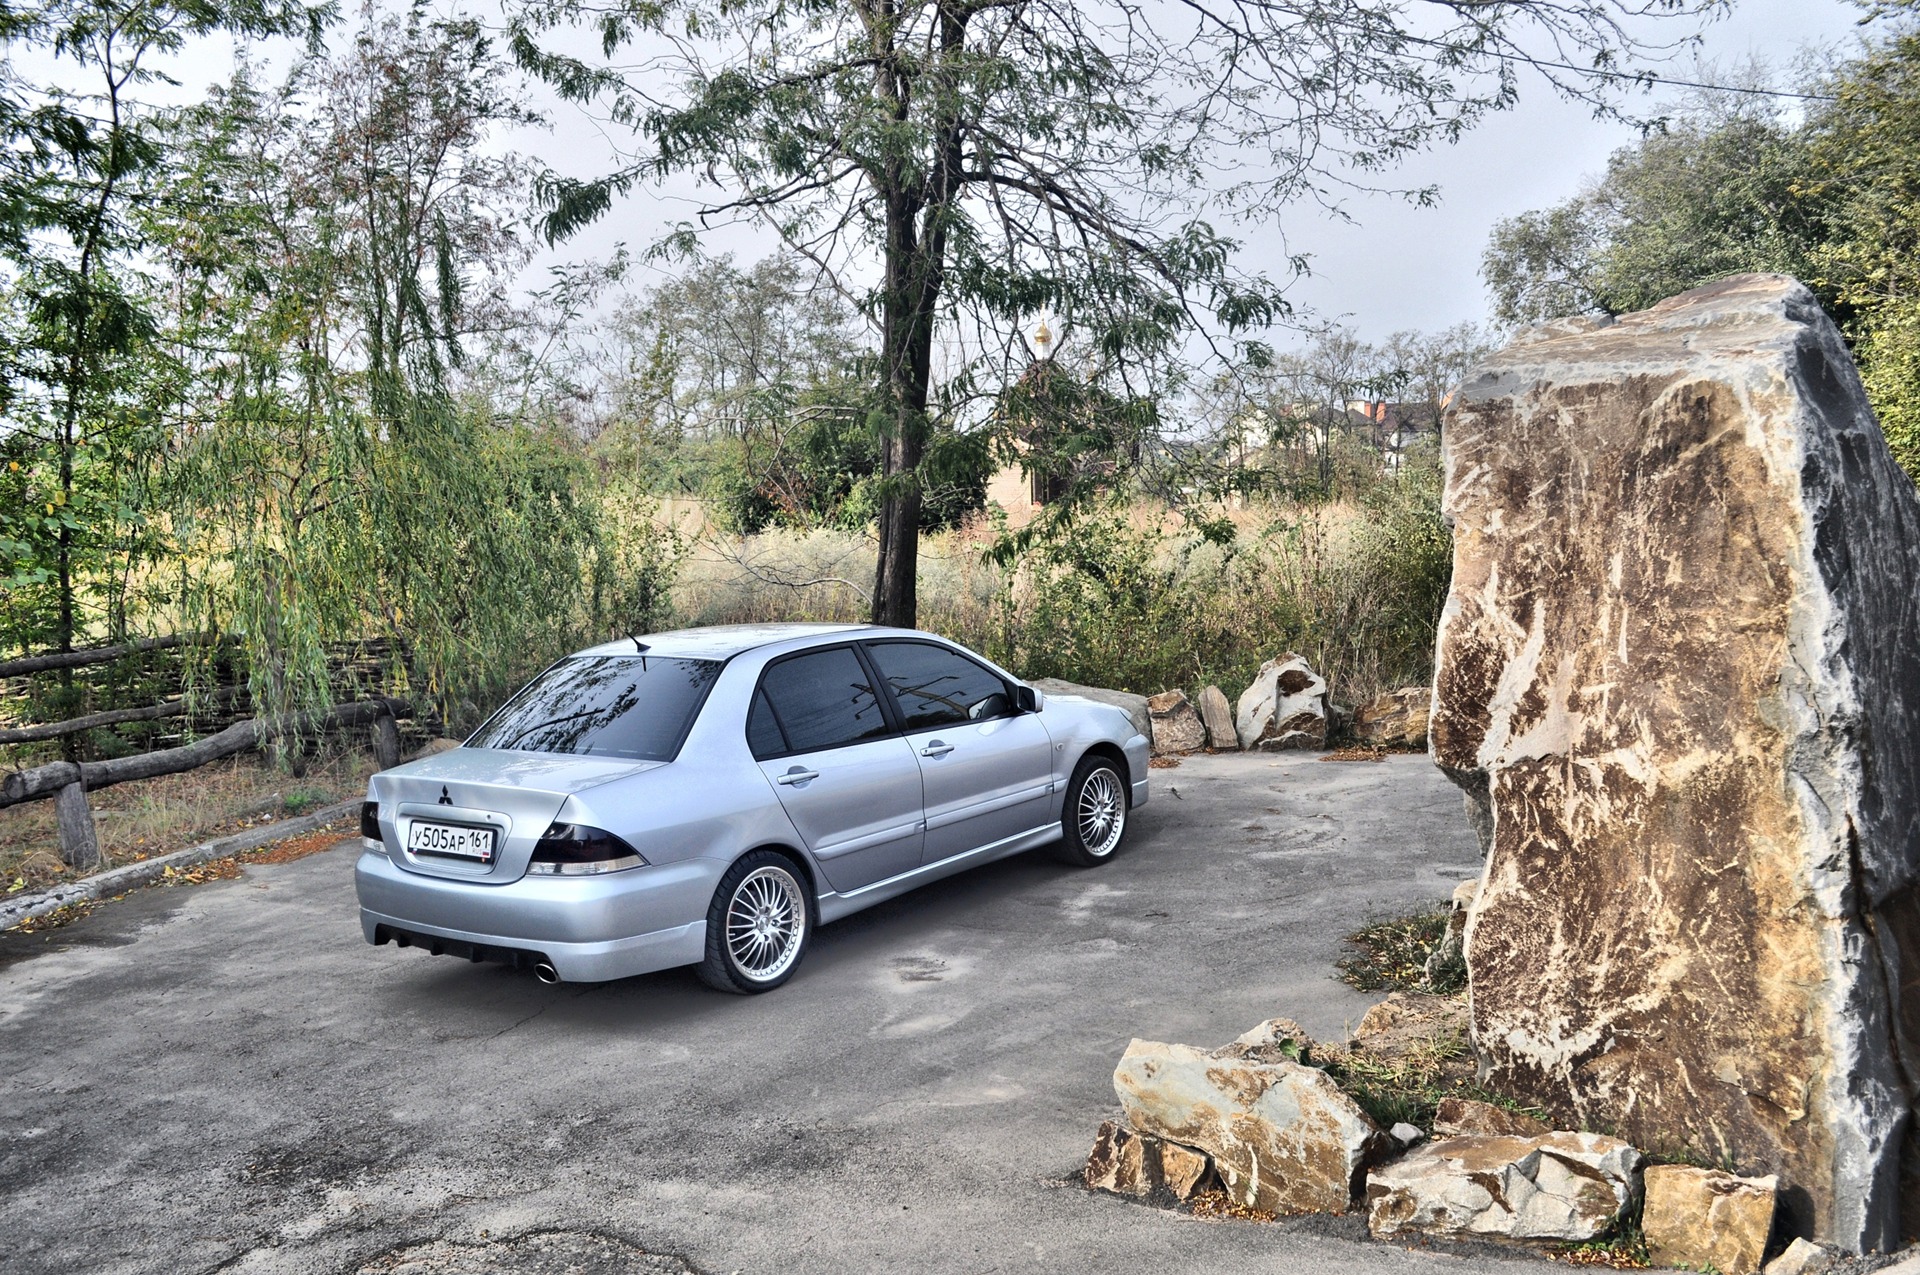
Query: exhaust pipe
{"type": "Point", "coordinates": [544, 971]}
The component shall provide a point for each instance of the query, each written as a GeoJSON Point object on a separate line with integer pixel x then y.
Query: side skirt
{"type": "Point", "coordinates": [833, 906]}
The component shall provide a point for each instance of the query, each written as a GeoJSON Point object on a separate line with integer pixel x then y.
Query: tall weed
{"type": "Point", "coordinates": [1119, 598]}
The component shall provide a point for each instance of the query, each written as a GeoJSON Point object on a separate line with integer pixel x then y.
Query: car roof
{"type": "Point", "coordinates": [724, 641]}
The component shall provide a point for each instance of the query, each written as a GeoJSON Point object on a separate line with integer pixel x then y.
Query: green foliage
{"type": "Point", "coordinates": [823, 471]}
{"type": "Point", "coordinates": [1714, 196]}
{"type": "Point", "coordinates": [1096, 598]}
{"type": "Point", "coordinates": [1833, 198]}
{"type": "Point", "coordinates": [83, 377]}
{"type": "Point", "coordinates": [1392, 955]}
{"type": "Point", "coordinates": [1407, 1087]}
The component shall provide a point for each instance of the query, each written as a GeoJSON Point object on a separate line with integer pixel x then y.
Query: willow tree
{"type": "Point", "coordinates": [337, 471]}
{"type": "Point", "coordinates": [965, 165]}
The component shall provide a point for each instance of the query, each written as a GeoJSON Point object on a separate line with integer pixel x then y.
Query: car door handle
{"type": "Point", "coordinates": [798, 775]}
{"type": "Point", "coordinates": [935, 748]}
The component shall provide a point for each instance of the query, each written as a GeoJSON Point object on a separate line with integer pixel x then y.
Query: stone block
{"type": "Point", "coordinates": [1698, 1218]}
{"type": "Point", "coordinates": [1177, 727]}
{"type": "Point", "coordinates": [1217, 715]}
{"type": "Point", "coordinates": [1282, 1136]}
{"type": "Point", "coordinates": [1128, 1163]}
{"type": "Point", "coordinates": [1286, 707]}
{"type": "Point", "coordinates": [1676, 676]}
{"type": "Point", "coordinates": [1397, 719]}
{"type": "Point", "coordinates": [1564, 1187]}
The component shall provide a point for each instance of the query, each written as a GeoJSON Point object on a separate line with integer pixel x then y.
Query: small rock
{"type": "Point", "coordinates": [1704, 1217]}
{"type": "Point", "coordinates": [1217, 715]}
{"type": "Point", "coordinates": [1286, 707]}
{"type": "Point", "coordinates": [1398, 719]}
{"type": "Point", "coordinates": [1134, 706]}
{"type": "Point", "coordinates": [1177, 727]}
{"type": "Point", "coordinates": [1452, 944]}
{"type": "Point", "coordinates": [1461, 1116]}
{"type": "Point", "coordinates": [1407, 1134]}
{"type": "Point", "coordinates": [1276, 1040]}
{"type": "Point", "coordinates": [1407, 1021]}
{"type": "Point", "coordinates": [1559, 1186]}
{"type": "Point", "coordinates": [1128, 1163]}
{"type": "Point", "coordinates": [1283, 1137]}
{"type": "Point", "coordinates": [1804, 1257]}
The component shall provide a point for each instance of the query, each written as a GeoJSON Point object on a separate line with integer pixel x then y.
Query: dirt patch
{"type": "Point", "coordinates": [1355, 754]}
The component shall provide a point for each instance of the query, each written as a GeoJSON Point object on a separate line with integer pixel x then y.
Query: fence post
{"type": "Point", "coordinates": [386, 741]}
{"type": "Point", "coordinates": [79, 840]}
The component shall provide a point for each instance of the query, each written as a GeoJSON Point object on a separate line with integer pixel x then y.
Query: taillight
{"type": "Point", "coordinates": [370, 825]}
{"type": "Point", "coordinates": [575, 850]}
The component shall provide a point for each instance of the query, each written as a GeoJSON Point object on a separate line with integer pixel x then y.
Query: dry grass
{"type": "Point", "coordinates": [152, 817]}
{"type": "Point", "coordinates": [1355, 754]}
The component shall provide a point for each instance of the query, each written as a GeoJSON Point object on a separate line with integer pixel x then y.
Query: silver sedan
{"type": "Point", "coordinates": [709, 797]}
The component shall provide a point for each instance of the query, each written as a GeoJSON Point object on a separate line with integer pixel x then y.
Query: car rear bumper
{"type": "Point", "coordinates": [590, 928]}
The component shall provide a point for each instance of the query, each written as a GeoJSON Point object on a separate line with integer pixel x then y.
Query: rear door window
{"type": "Point", "coordinates": [937, 687]}
{"type": "Point", "coordinates": [823, 699]}
{"type": "Point", "coordinates": [638, 707]}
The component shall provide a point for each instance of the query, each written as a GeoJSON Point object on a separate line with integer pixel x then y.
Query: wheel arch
{"type": "Point", "coordinates": [799, 858]}
{"type": "Point", "coordinates": [1108, 751]}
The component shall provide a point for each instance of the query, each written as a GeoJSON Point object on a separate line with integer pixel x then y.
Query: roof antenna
{"type": "Point", "coordinates": [639, 647]}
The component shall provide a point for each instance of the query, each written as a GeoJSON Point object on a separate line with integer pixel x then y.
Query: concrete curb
{"type": "Point", "coordinates": [25, 907]}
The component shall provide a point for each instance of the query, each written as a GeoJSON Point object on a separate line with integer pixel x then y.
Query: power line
{"type": "Point", "coordinates": [1647, 77]}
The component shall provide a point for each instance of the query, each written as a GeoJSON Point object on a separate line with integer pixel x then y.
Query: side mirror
{"type": "Point", "coordinates": [1026, 699]}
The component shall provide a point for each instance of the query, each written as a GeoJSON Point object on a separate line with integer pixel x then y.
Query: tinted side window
{"type": "Point", "coordinates": [935, 687]}
{"type": "Point", "coordinates": [638, 707]}
{"type": "Point", "coordinates": [823, 700]}
{"type": "Point", "coordinates": [763, 732]}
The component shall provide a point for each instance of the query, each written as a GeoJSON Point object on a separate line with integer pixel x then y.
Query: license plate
{"type": "Point", "coordinates": [451, 840]}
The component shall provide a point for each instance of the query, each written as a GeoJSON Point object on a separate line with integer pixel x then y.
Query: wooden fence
{"type": "Point", "coordinates": [66, 782]}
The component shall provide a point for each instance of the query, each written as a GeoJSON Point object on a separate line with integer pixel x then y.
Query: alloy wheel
{"type": "Point", "coordinates": [766, 923]}
{"type": "Point", "coordinates": [1101, 813]}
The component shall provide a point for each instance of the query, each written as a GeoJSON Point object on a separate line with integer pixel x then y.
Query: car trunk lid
{"type": "Point", "coordinates": [513, 795]}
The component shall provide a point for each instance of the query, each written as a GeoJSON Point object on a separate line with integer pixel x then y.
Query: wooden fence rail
{"type": "Point", "coordinates": [111, 717]}
{"type": "Point", "coordinates": [69, 782]}
{"type": "Point", "coordinates": [93, 655]}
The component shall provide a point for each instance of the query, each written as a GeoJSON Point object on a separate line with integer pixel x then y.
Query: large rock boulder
{"type": "Point", "coordinates": [1128, 1163]}
{"type": "Point", "coordinates": [1134, 706]}
{"type": "Point", "coordinates": [1397, 719]}
{"type": "Point", "coordinates": [1282, 1136]}
{"type": "Point", "coordinates": [1559, 1186]}
{"type": "Point", "coordinates": [1285, 707]}
{"type": "Point", "coordinates": [1677, 675]}
{"type": "Point", "coordinates": [1176, 725]}
{"type": "Point", "coordinates": [1705, 1219]}
{"type": "Point", "coordinates": [1217, 714]}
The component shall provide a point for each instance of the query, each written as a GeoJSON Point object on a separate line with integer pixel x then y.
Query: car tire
{"type": "Point", "coordinates": [758, 925]}
{"type": "Point", "coordinates": [1094, 820]}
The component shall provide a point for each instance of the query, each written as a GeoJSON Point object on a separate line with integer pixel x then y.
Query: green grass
{"type": "Point", "coordinates": [300, 800]}
{"type": "Point", "coordinates": [1391, 956]}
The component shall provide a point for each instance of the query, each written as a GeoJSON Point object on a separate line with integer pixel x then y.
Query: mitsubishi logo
{"type": "Point", "coordinates": [444, 799]}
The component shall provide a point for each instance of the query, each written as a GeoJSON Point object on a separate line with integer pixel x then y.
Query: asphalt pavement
{"type": "Point", "coordinates": [227, 1078]}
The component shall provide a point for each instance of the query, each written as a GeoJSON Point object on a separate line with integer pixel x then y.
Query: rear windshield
{"type": "Point", "coordinates": [637, 707]}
